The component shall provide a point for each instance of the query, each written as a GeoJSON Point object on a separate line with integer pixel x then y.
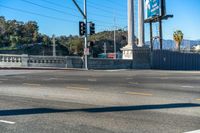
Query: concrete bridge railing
{"type": "Point", "coordinates": [10, 61]}
{"type": "Point", "coordinates": [141, 60]}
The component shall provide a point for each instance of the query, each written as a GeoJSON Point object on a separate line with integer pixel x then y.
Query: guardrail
{"type": "Point", "coordinates": [10, 61]}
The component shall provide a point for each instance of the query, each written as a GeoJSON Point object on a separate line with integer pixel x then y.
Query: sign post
{"type": "Point", "coordinates": [156, 12]}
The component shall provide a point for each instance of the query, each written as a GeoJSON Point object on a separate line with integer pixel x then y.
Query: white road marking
{"type": "Point", "coordinates": [92, 80]}
{"type": "Point", "coordinates": [117, 70]}
{"type": "Point", "coordinates": [7, 122]}
{"type": "Point", "coordinates": [78, 88]}
{"type": "Point", "coordinates": [164, 78]}
{"type": "Point", "coordinates": [187, 86]}
{"type": "Point", "coordinates": [3, 79]}
{"type": "Point", "coordinates": [138, 93]}
{"type": "Point", "coordinates": [31, 84]}
{"type": "Point", "coordinates": [134, 83]}
{"type": "Point", "coordinates": [196, 131]}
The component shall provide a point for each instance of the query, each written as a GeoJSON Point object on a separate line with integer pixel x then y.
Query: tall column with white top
{"type": "Point", "coordinates": [128, 49]}
{"type": "Point", "coordinates": [141, 23]}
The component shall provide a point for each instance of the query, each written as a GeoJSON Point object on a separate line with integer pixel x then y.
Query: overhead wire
{"type": "Point", "coordinates": [59, 11]}
{"type": "Point", "coordinates": [38, 14]}
{"type": "Point", "coordinates": [56, 10]}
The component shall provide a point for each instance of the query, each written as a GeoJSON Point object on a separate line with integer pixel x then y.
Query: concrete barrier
{"type": "Point", "coordinates": [17, 61]}
{"type": "Point", "coordinates": [109, 64]}
{"type": "Point", "coordinates": [141, 60]}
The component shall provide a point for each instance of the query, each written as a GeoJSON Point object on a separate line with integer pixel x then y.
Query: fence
{"type": "Point", "coordinates": [172, 60]}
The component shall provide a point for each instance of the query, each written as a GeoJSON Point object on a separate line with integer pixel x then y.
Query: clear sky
{"type": "Point", "coordinates": [60, 17]}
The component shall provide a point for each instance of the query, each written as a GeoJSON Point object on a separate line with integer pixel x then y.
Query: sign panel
{"type": "Point", "coordinates": [154, 8]}
{"type": "Point", "coordinates": [86, 51]}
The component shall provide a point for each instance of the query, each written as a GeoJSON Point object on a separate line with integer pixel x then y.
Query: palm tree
{"type": "Point", "coordinates": [178, 37]}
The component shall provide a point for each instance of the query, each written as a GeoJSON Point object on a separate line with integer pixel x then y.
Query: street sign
{"type": "Point", "coordinates": [86, 51]}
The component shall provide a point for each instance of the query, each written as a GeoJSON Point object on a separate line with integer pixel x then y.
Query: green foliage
{"type": "Point", "coordinates": [19, 35]}
{"type": "Point", "coordinates": [178, 37]}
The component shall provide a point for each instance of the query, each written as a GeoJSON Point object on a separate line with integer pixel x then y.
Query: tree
{"type": "Point", "coordinates": [178, 37]}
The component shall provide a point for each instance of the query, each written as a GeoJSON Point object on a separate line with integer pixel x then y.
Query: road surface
{"type": "Point", "coordinates": [115, 101]}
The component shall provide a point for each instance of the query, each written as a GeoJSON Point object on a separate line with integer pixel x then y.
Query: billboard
{"type": "Point", "coordinates": [154, 8]}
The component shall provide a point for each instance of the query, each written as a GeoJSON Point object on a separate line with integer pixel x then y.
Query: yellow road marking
{"type": "Point", "coordinates": [31, 84]}
{"type": "Point", "coordinates": [78, 88]}
{"type": "Point", "coordinates": [138, 93]}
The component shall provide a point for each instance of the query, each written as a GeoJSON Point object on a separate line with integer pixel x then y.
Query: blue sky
{"type": "Point", "coordinates": [60, 17]}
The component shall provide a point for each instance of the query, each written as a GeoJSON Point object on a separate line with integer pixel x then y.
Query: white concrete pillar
{"type": "Point", "coordinates": [131, 36]}
{"type": "Point", "coordinates": [128, 49]}
{"type": "Point", "coordinates": [141, 23]}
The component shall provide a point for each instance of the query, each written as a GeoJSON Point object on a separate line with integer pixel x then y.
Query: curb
{"type": "Point", "coordinates": [41, 68]}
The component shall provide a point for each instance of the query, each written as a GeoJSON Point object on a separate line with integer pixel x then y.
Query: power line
{"type": "Point", "coordinates": [45, 16]}
{"type": "Point", "coordinates": [59, 11]}
{"type": "Point", "coordinates": [108, 7]}
{"type": "Point", "coordinates": [109, 1]}
{"type": "Point", "coordinates": [100, 9]}
{"type": "Point", "coordinates": [64, 7]}
{"type": "Point", "coordinates": [58, 5]}
{"type": "Point", "coordinates": [41, 15]}
{"type": "Point", "coordinates": [49, 8]}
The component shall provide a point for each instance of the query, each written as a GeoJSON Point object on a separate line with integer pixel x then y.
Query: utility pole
{"type": "Point", "coordinates": [84, 14]}
{"type": "Point", "coordinates": [160, 34]}
{"type": "Point", "coordinates": [105, 47]}
{"type": "Point", "coordinates": [54, 45]}
{"type": "Point", "coordinates": [115, 49]}
{"type": "Point", "coordinates": [86, 40]}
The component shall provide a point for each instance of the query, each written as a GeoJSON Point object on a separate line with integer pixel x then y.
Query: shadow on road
{"type": "Point", "coordinates": [96, 110]}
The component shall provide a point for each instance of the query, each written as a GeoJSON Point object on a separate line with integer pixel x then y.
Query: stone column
{"type": "Point", "coordinates": [141, 23]}
{"type": "Point", "coordinates": [128, 49]}
{"type": "Point", "coordinates": [130, 23]}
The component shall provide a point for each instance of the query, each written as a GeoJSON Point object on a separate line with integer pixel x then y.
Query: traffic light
{"type": "Point", "coordinates": [82, 28]}
{"type": "Point", "coordinates": [92, 28]}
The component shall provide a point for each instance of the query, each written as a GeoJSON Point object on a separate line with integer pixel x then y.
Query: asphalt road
{"type": "Point", "coordinates": [69, 101]}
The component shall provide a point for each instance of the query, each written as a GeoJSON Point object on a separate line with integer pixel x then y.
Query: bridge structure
{"type": "Point", "coordinates": [128, 49]}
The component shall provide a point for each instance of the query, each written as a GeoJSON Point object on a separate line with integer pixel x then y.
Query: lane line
{"type": "Point", "coordinates": [198, 99]}
{"type": "Point", "coordinates": [196, 131]}
{"type": "Point", "coordinates": [3, 79]}
{"type": "Point", "coordinates": [187, 86]}
{"type": "Point", "coordinates": [7, 122]}
{"type": "Point", "coordinates": [164, 78]}
{"type": "Point", "coordinates": [78, 88]}
{"type": "Point", "coordinates": [92, 80]}
{"type": "Point", "coordinates": [31, 84]}
{"type": "Point", "coordinates": [138, 93]}
{"type": "Point", "coordinates": [134, 83]}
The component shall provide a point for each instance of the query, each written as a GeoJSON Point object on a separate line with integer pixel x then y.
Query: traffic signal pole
{"type": "Point", "coordinates": [84, 14]}
{"type": "Point", "coordinates": [86, 31]}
